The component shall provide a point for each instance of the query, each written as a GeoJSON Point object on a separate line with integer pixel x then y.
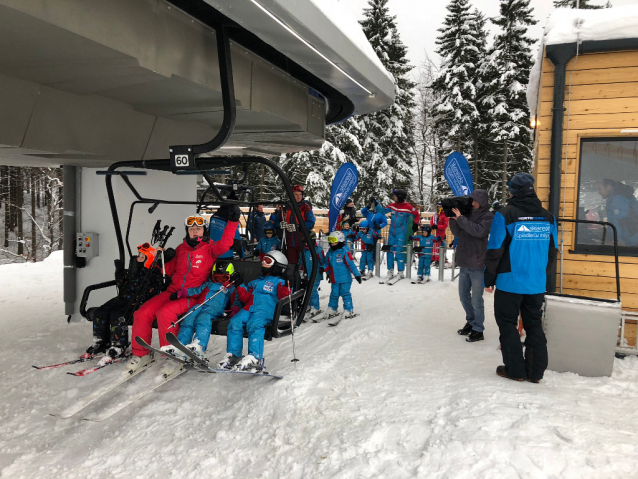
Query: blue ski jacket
{"type": "Point", "coordinates": [622, 212]}
{"type": "Point", "coordinates": [367, 238]}
{"type": "Point", "coordinates": [322, 259]}
{"type": "Point", "coordinates": [426, 242]}
{"type": "Point", "coordinates": [216, 228]}
{"type": "Point", "coordinates": [266, 245]}
{"type": "Point", "coordinates": [404, 220]}
{"type": "Point", "coordinates": [340, 264]}
{"type": "Point", "coordinates": [376, 220]}
{"type": "Point", "coordinates": [262, 294]}
{"type": "Point", "coordinates": [522, 249]}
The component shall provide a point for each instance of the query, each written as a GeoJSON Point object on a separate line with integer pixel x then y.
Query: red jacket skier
{"type": "Point", "coordinates": [439, 223]}
{"type": "Point", "coordinates": [191, 267]}
{"type": "Point", "coordinates": [286, 220]}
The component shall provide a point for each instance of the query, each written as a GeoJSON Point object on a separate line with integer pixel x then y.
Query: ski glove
{"type": "Point", "coordinates": [237, 279]}
{"type": "Point", "coordinates": [232, 311]}
{"type": "Point", "coordinates": [234, 213]}
{"type": "Point", "coordinates": [358, 278]}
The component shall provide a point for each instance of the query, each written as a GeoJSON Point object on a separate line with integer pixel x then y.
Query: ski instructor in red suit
{"type": "Point", "coordinates": [191, 266]}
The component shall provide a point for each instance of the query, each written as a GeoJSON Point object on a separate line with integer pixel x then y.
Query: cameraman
{"type": "Point", "coordinates": [472, 232]}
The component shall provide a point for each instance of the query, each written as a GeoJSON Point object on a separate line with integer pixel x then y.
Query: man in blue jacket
{"type": "Point", "coordinates": [520, 257]}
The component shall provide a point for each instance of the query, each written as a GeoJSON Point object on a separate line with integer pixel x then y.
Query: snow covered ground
{"type": "Point", "coordinates": [394, 393]}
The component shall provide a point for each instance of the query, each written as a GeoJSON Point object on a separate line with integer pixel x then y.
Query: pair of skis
{"type": "Point", "coordinates": [422, 281]}
{"type": "Point", "coordinates": [82, 359]}
{"type": "Point", "coordinates": [392, 280]}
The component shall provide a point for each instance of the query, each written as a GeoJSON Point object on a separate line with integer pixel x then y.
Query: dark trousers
{"type": "Point", "coordinates": [506, 309]}
{"type": "Point", "coordinates": [109, 324]}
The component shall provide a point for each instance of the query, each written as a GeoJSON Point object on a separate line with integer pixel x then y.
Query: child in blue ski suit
{"type": "Point", "coordinates": [269, 242]}
{"type": "Point", "coordinates": [260, 298]}
{"type": "Point", "coordinates": [368, 239]}
{"type": "Point", "coordinates": [314, 297]}
{"type": "Point", "coordinates": [194, 330]}
{"type": "Point", "coordinates": [376, 221]}
{"type": "Point", "coordinates": [404, 222]}
{"type": "Point", "coordinates": [340, 266]}
{"type": "Point", "coordinates": [425, 256]}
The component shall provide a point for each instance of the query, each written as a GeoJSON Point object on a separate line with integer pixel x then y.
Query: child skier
{"type": "Point", "coordinates": [269, 242]}
{"type": "Point", "coordinates": [439, 223]}
{"type": "Point", "coordinates": [376, 221]}
{"type": "Point", "coordinates": [315, 307]}
{"type": "Point", "coordinates": [425, 255]}
{"type": "Point", "coordinates": [340, 264]}
{"type": "Point", "coordinates": [110, 321]}
{"type": "Point", "coordinates": [260, 298]}
{"type": "Point", "coordinates": [346, 227]}
{"type": "Point", "coordinates": [219, 293]}
{"type": "Point", "coordinates": [368, 239]}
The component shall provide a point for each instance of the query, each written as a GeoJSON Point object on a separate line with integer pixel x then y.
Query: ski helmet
{"type": "Point", "coordinates": [336, 239]}
{"type": "Point", "coordinates": [426, 228]}
{"type": "Point", "coordinates": [196, 220]}
{"type": "Point", "coordinates": [313, 236]}
{"type": "Point", "coordinates": [269, 226]}
{"type": "Point", "coordinates": [401, 194]}
{"type": "Point", "coordinates": [149, 252]}
{"type": "Point", "coordinates": [222, 270]}
{"type": "Point", "coordinates": [364, 224]}
{"type": "Point", "coordinates": [274, 263]}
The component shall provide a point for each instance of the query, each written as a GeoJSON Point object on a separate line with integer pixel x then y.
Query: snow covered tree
{"type": "Point", "coordinates": [506, 72]}
{"type": "Point", "coordinates": [584, 4]}
{"type": "Point", "coordinates": [462, 46]}
{"type": "Point", "coordinates": [386, 160]}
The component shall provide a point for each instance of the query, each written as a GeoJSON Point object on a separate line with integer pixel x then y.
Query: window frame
{"type": "Point", "coordinates": [599, 250]}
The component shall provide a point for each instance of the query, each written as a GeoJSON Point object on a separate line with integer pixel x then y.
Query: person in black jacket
{"type": "Point", "coordinates": [256, 221]}
{"type": "Point", "coordinates": [520, 258]}
{"type": "Point", "coordinates": [135, 286]}
{"type": "Point", "coordinates": [472, 232]}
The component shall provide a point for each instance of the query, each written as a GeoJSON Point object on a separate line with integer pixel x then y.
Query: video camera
{"type": "Point", "coordinates": [463, 203]}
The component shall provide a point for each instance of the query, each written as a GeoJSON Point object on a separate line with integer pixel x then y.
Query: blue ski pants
{"type": "Point", "coordinates": [367, 259]}
{"type": "Point", "coordinates": [471, 295]}
{"type": "Point", "coordinates": [255, 323]}
{"type": "Point", "coordinates": [424, 265]}
{"type": "Point", "coordinates": [314, 297]}
{"type": "Point", "coordinates": [343, 290]}
{"type": "Point", "coordinates": [394, 250]}
{"type": "Point", "coordinates": [197, 326]}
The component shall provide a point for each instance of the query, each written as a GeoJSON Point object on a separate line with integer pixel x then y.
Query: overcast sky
{"type": "Point", "coordinates": [419, 20]}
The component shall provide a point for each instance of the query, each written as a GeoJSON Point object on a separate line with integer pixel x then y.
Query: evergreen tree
{"type": "Point", "coordinates": [507, 72]}
{"type": "Point", "coordinates": [461, 45]}
{"type": "Point", "coordinates": [387, 159]}
{"type": "Point", "coordinates": [584, 4]}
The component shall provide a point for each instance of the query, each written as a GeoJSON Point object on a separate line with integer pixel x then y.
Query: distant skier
{"type": "Point", "coordinates": [269, 242]}
{"type": "Point", "coordinates": [135, 286]}
{"type": "Point", "coordinates": [376, 221]}
{"type": "Point", "coordinates": [315, 307]}
{"type": "Point", "coordinates": [425, 255]}
{"type": "Point", "coordinates": [341, 267]}
{"type": "Point", "coordinates": [404, 221]}
{"type": "Point", "coordinates": [191, 267]}
{"type": "Point", "coordinates": [348, 232]}
{"type": "Point", "coordinates": [194, 331]}
{"type": "Point", "coordinates": [368, 239]}
{"type": "Point", "coordinates": [285, 219]}
{"type": "Point", "coordinates": [439, 223]}
{"type": "Point", "coordinates": [260, 299]}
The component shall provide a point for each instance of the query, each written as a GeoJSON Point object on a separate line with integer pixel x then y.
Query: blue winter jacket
{"type": "Point", "coordinates": [403, 217]}
{"type": "Point", "coordinates": [216, 228]}
{"type": "Point", "coordinates": [521, 250]}
{"type": "Point", "coordinates": [257, 220]}
{"type": "Point", "coordinates": [426, 242]}
{"type": "Point", "coordinates": [322, 260]}
{"type": "Point", "coordinates": [262, 294]}
{"type": "Point", "coordinates": [266, 245]}
{"type": "Point", "coordinates": [340, 265]}
{"type": "Point", "coordinates": [367, 238]}
{"type": "Point", "coordinates": [376, 220]}
{"type": "Point", "coordinates": [622, 212]}
{"type": "Point", "coordinates": [222, 299]}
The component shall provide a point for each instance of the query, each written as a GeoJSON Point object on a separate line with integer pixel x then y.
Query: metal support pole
{"type": "Point", "coordinates": [68, 234]}
{"type": "Point", "coordinates": [442, 262]}
{"type": "Point", "coordinates": [453, 264]}
{"type": "Point", "coordinates": [408, 261]}
{"type": "Point", "coordinates": [377, 259]}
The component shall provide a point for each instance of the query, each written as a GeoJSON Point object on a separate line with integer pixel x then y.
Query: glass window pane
{"type": "Point", "coordinates": [608, 191]}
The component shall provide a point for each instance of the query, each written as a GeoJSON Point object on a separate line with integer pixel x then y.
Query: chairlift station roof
{"type": "Point", "coordinates": [89, 83]}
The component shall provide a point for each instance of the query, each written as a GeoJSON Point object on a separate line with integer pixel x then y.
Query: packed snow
{"type": "Point", "coordinates": [394, 393]}
{"type": "Point", "coordinates": [566, 25]}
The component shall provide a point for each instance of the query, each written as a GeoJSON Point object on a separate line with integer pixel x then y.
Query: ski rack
{"type": "Point", "coordinates": [186, 159]}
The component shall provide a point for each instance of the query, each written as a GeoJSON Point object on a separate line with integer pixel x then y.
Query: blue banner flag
{"type": "Point", "coordinates": [343, 185]}
{"type": "Point", "coordinates": [458, 174]}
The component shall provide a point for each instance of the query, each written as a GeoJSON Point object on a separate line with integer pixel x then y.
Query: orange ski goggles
{"type": "Point", "coordinates": [195, 221]}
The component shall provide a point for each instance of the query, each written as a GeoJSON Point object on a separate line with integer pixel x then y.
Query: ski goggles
{"type": "Point", "coordinates": [195, 221]}
{"type": "Point", "coordinates": [220, 278]}
{"type": "Point", "coordinates": [364, 229]}
{"type": "Point", "coordinates": [144, 246]}
{"type": "Point", "coordinates": [268, 261]}
{"type": "Point", "coordinates": [333, 239]}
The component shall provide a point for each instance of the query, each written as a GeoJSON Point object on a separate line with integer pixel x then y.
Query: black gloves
{"type": "Point", "coordinates": [169, 254]}
{"type": "Point", "coordinates": [237, 278]}
{"type": "Point", "coordinates": [173, 296]}
{"type": "Point", "coordinates": [358, 278]}
{"type": "Point", "coordinates": [167, 282]}
{"type": "Point", "coordinates": [234, 213]}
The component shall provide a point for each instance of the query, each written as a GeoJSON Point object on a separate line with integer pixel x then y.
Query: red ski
{"type": "Point", "coordinates": [83, 358]}
{"type": "Point", "coordinates": [85, 372]}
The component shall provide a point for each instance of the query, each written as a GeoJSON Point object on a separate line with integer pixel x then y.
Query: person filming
{"type": "Point", "coordinates": [472, 232]}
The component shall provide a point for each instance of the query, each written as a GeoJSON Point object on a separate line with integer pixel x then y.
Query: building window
{"type": "Point", "coordinates": [608, 191]}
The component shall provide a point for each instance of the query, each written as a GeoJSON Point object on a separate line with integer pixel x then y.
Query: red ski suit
{"type": "Point", "coordinates": [441, 222]}
{"type": "Point", "coordinates": [190, 267]}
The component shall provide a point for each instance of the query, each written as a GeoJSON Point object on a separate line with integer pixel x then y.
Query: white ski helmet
{"type": "Point", "coordinates": [278, 260]}
{"type": "Point", "coordinates": [336, 238]}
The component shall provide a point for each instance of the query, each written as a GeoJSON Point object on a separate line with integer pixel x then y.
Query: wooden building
{"type": "Point", "coordinates": [586, 164]}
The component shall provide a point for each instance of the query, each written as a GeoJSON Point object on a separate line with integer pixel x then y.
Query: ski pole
{"type": "Point", "coordinates": [292, 325]}
{"type": "Point", "coordinates": [163, 266]}
{"type": "Point", "coordinates": [175, 323]}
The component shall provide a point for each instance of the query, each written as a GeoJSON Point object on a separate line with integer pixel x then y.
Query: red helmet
{"type": "Point", "coordinates": [297, 188]}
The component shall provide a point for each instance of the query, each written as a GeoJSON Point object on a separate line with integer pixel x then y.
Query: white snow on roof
{"type": "Point", "coordinates": [566, 25]}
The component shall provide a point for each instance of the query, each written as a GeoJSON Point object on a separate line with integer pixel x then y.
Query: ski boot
{"type": "Point", "coordinates": [170, 349]}
{"type": "Point", "coordinates": [348, 315]}
{"type": "Point", "coordinates": [311, 313]}
{"type": "Point", "coordinates": [138, 362]}
{"type": "Point", "coordinates": [250, 364]}
{"type": "Point", "coordinates": [426, 279]}
{"type": "Point", "coordinates": [389, 276]}
{"type": "Point", "coordinates": [419, 280]}
{"type": "Point", "coordinates": [197, 349]}
{"type": "Point", "coordinates": [98, 347]}
{"type": "Point", "coordinates": [330, 313]}
{"type": "Point", "coordinates": [169, 368]}
{"type": "Point", "coordinates": [112, 354]}
{"type": "Point", "coordinates": [229, 361]}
